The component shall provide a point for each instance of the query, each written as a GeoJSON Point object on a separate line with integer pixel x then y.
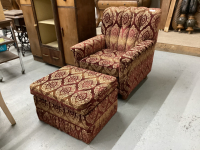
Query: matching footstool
{"type": "Point", "coordinates": [75, 100]}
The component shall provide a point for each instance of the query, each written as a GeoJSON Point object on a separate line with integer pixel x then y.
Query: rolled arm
{"type": "Point", "coordinates": [133, 66]}
{"type": "Point", "coordinates": [88, 47]}
{"type": "Point", "coordinates": [135, 52]}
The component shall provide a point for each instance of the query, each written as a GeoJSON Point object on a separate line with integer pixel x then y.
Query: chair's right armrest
{"type": "Point", "coordinates": [88, 47]}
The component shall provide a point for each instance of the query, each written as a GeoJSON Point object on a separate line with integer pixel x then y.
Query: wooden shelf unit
{"type": "Point", "coordinates": [48, 21]}
{"type": "Point", "coordinates": [6, 40]}
{"type": "Point", "coordinates": [53, 44]}
{"type": "Point", "coordinates": [45, 18]}
{"type": "Point", "coordinates": [47, 31]}
{"type": "Point", "coordinates": [7, 55]}
{"type": "Point", "coordinates": [54, 26]}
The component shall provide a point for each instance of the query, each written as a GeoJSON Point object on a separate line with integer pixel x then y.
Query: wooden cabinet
{"type": "Point", "coordinates": [32, 32]}
{"type": "Point", "coordinates": [59, 25]}
{"type": "Point", "coordinates": [69, 31]}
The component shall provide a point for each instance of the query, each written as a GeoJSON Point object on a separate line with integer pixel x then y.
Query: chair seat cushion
{"type": "Point", "coordinates": [78, 89]}
{"type": "Point", "coordinates": [106, 61]}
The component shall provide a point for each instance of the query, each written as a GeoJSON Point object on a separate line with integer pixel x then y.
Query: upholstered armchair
{"type": "Point", "coordinates": [126, 47]}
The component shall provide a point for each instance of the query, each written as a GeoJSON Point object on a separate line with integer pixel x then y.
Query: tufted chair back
{"type": "Point", "coordinates": [126, 27]}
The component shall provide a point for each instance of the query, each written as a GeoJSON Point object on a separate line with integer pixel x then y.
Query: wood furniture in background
{"type": "Point", "coordinates": [6, 110]}
{"type": "Point", "coordinates": [191, 19]}
{"type": "Point", "coordinates": [176, 15]}
{"type": "Point", "coordinates": [2, 16]}
{"type": "Point", "coordinates": [169, 16]}
{"type": "Point", "coordinates": [184, 11]}
{"type": "Point", "coordinates": [197, 16]}
{"type": "Point", "coordinates": [20, 28]}
{"type": "Point", "coordinates": [53, 30]}
{"type": "Point", "coordinates": [165, 9]}
{"type": "Point", "coordinates": [9, 4]}
{"type": "Point", "coordinates": [32, 32]}
{"type": "Point", "coordinates": [101, 5]}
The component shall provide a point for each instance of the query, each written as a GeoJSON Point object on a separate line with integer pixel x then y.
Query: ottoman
{"type": "Point", "coordinates": [75, 100]}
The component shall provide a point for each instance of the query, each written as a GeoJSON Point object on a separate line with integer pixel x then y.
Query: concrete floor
{"type": "Point", "coordinates": [183, 38]}
{"type": "Point", "coordinates": [162, 113]}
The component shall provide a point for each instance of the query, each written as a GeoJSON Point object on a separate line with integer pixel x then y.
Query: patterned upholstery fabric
{"type": "Point", "coordinates": [77, 101]}
{"type": "Point", "coordinates": [76, 88]}
{"type": "Point", "coordinates": [87, 48]}
{"type": "Point", "coordinates": [105, 61]}
{"type": "Point", "coordinates": [84, 128]}
{"type": "Point", "coordinates": [130, 31]}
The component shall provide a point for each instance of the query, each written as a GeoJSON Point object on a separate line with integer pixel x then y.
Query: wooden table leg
{"type": "Point", "coordinates": [6, 110]}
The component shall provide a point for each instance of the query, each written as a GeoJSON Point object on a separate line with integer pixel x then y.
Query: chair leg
{"type": "Point", "coordinates": [6, 110]}
{"type": "Point", "coordinates": [124, 97]}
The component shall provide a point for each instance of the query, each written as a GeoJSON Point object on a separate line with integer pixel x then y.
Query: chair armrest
{"type": "Point", "coordinates": [135, 52]}
{"type": "Point", "coordinates": [134, 65]}
{"type": "Point", "coordinates": [88, 47]}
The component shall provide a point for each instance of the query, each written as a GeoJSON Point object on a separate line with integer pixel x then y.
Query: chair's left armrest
{"type": "Point", "coordinates": [88, 47]}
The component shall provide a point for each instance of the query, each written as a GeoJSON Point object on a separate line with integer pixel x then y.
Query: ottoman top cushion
{"type": "Point", "coordinates": [78, 89]}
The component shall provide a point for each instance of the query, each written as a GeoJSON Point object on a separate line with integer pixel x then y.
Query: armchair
{"type": "Point", "coordinates": [126, 47]}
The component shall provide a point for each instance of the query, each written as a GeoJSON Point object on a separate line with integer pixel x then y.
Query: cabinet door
{"type": "Point", "coordinates": [68, 28]}
{"type": "Point", "coordinates": [32, 32]}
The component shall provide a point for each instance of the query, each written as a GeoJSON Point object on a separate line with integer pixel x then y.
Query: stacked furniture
{"type": "Point", "coordinates": [126, 47]}
{"type": "Point", "coordinates": [53, 26]}
{"type": "Point", "coordinates": [101, 5]}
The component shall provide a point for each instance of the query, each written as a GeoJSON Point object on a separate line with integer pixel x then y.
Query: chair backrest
{"type": "Point", "coordinates": [125, 27]}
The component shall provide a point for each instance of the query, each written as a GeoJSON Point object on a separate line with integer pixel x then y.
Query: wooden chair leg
{"type": "Point", "coordinates": [6, 110]}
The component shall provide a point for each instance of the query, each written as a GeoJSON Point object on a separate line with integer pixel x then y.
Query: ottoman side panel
{"type": "Point", "coordinates": [85, 121]}
{"type": "Point", "coordinates": [85, 135]}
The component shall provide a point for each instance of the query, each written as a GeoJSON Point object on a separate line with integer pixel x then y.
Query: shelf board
{"type": "Point", "coordinates": [53, 44]}
{"type": "Point", "coordinates": [49, 21]}
{"type": "Point", "coordinates": [7, 56]}
{"type": "Point", "coordinates": [6, 40]}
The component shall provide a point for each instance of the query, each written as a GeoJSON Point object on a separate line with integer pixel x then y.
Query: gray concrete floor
{"type": "Point", "coordinates": [162, 113]}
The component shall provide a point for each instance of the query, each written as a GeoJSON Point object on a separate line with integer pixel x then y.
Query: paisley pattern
{"type": "Point", "coordinates": [77, 91]}
{"type": "Point", "coordinates": [129, 35]}
{"type": "Point", "coordinates": [83, 127]}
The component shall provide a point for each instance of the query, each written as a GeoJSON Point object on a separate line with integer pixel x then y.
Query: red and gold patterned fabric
{"type": "Point", "coordinates": [78, 89]}
{"type": "Point", "coordinates": [105, 61]}
{"type": "Point", "coordinates": [87, 48]}
{"type": "Point", "coordinates": [77, 101]}
{"type": "Point", "coordinates": [135, 65]}
{"type": "Point", "coordinates": [83, 127]}
{"type": "Point", "coordinates": [130, 31]}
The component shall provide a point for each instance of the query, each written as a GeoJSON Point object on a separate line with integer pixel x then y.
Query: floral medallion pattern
{"type": "Point", "coordinates": [83, 127]}
{"type": "Point", "coordinates": [79, 90]}
{"type": "Point", "coordinates": [128, 39]}
{"type": "Point", "coordinates": [105, 61]}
